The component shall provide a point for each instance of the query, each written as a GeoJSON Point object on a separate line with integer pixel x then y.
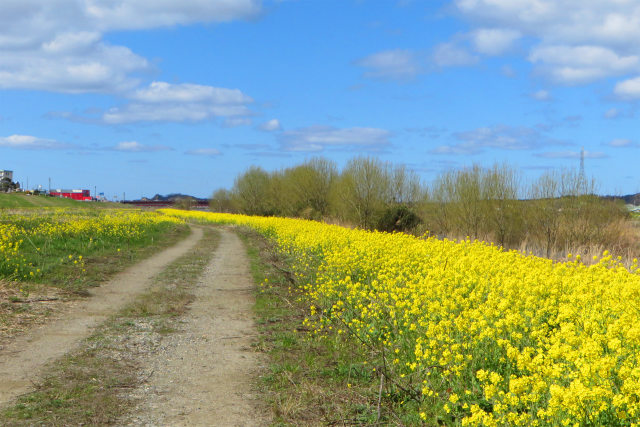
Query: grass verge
{"type": "Point", "coordinates": [310, 381]}
{"type": "Point", "coordinates": [89, 386]}
{"type": "Point", "coordinates": [24, 304]}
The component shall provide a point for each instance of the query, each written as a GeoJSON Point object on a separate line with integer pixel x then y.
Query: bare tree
{"type": "Point", "coordinates": [221, 201]}
{"type": "Point", "coordinates": [363, 190]}
{"type": "Point", "coordinates": [251, 192]}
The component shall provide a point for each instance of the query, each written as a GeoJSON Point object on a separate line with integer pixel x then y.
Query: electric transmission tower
{"type": "Point", "coordinates": [582, 177]}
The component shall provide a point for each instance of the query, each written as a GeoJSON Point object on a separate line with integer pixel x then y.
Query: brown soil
{"type": "Point", "coordinates": [22, 359]}
{"type": "Point", "coordinates": [204, 373]}
{"type": "Point", "coordinates": [201, 374]}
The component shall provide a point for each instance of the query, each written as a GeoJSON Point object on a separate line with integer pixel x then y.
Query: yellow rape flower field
{"type": "Point", "coordinates": [36, 243]}
{"type": "Point", "coordinates": [470, 334]}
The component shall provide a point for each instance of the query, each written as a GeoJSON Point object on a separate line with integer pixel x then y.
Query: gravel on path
{"type": "Point", "coordinates": [204, 374]}
{"type": "Point", "coordinates": [22, 360]}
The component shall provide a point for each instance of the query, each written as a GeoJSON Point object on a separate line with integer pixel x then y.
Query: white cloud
{"type": "Point", "coordinates": [136, 147]}
{"type": "Point", "coordinates": [572, 155]}
{"type": "Point", "coordinates": [541, 95]}
{"type": "Point", "coordinates": [206, 152]}
{"type": "Point", "coordinates": [628, 89]}
{"type": "Point", "coordinates": [73, 63]}
{"type": "Point", "coordinates": [572, 42]}
{"type": "Point", "coordinates": [612, 113]}
{"type": "Point", "coordinates": [621, 143]}
{"type": "Point", "coordinates": [317, 138]}
{"type": "Point", "coordinates": [162, 92]}
{"type": "Point", "coordinates": [508, 71]}
{"type": "Point", "coordinates": [180, 103]}
{"type": "Point", "coordinates": [452, 54]}
{"type": "Point", "coordinates": [500, 137]}
{"type": "Point", "coordinates": [392, 64]}
{"type": "Point", "coordinates": [607, 23]}
{"type": "Point", "coordinates": [271, 126]}
{"type": "Point", "coordinates": [139, 14]}
{"type": "Point", "coordinates": [494, 41]}
{"type": "Point", "coordinates": [57, 45]}
{"type": "Point", "coordinates": [233, 122]}
{"type": "Point", "coordinates": [582, 64]}
{"type": "Point", "coordinates": [29, 142]}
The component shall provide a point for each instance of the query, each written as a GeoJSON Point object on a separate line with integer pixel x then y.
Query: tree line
{"type": "Point", "coordinates": [556, 213]}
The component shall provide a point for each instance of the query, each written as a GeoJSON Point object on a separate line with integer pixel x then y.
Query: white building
{"type": "Point", "coordinates": [6, 174]}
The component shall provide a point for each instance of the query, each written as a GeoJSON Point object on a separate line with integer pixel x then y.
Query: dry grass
{"type": "Point", "coordinates": [623, 240]}
{"type": "Point", "coordinates": [21, 310]}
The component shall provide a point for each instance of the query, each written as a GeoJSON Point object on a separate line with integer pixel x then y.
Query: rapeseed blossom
{"type": "Point", "coordinates": [482, 336]}
{"type": "Point", "coordinates": [28, 236]}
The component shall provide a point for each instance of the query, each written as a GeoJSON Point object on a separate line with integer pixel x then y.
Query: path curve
{"type": "Point", "coordinates": [21, 360]}
{"type": "Point", "coordinates": [204, 374]}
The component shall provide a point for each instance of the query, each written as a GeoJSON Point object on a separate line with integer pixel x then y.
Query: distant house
{"type": "Point", "coordinates": [6, 181]}
{"type": "Point", "coordinates": [6, 175]}
{"type": "Point", "coordinates": [72, 194]}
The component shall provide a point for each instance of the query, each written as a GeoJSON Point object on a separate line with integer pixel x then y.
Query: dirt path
{"type": "Point", "coordinates": [203, 374]}
{"type": "Point", "coordinates": [21, 360]}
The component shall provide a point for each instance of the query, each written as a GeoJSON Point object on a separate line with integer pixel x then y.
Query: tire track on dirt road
{"type": "Point", "coordinates": [22, 360]}
{"type": "Point", "coordinates": [204, 373]}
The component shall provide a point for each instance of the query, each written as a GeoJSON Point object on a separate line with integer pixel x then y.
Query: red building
{"type": "Point", "coordinates": [72, 194]}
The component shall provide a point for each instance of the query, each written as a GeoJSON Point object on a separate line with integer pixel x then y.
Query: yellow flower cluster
{"type": "Point", "coordinates": [481, 336]}
{"type": "Point", "coordinates": [30, 237]}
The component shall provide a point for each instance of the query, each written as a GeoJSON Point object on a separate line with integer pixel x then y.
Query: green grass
{"type": "Point", "coordinates": [83, 247]}
{"type": "Point", "coordinates": [18, 200]}
{"type": "Point", "coordinates": [86, 387]}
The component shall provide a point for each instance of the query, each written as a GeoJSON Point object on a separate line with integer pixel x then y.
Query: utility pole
{"type": "Point", "coordinates": [49, 185]}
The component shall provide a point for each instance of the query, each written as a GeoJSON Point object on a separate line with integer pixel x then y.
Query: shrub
{"type": "Point", "coordinates": [398, 218]}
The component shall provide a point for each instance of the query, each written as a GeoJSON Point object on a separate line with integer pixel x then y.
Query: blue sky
{"type": "Point", "coordinates": [161, 96]}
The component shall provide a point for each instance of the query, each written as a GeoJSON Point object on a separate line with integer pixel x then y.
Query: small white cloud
{"type": "Point", "coordinates": [142, 14]}
{"type": "Point", "coordinates": [582, 64]}
{"type": "Point", "coordinates": [180, 103]}
{"type": "Point", "coordinates": [136, 147]}
{"type": "Point", "coordinates": [621, 143]}
{"type": "Point", "coordinates": [572, 155]}
{"type": "Point", "coordinates": [271, 126]}
{"type": "Point", "coordinates": [508, 71]}
{"type": "Point", "coordinates": [162, 92]}
{"type": "Point", "coordinates": [28, 142]}
{"type": "Point", "coordinates": [628, 89]}
{"type": "Point", "coordinates": [233, 122]}
{"type": "Point", "coordinates": [392, 64]}
{"type": "Point", "coordinates": [71, 64]}
{"type": "Point", "coordinates": [500, 137]}
{"type": "Point", "coordinates": [317, 138]}
{"type": "Point", "coordinates": [453, 55]}
{"type": "Point", "coordinates": [457, 149]}
{"type": "Point", "coordinates": [70, 42]}
{"type": "Point", "coordinates": [494, 41]}
{"type": "Point", "coordinates": [612, 113]}
{"type": "Point", "coordinates": [205, 152]}
{"type": "Point", "coordinates": [541, 95]}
